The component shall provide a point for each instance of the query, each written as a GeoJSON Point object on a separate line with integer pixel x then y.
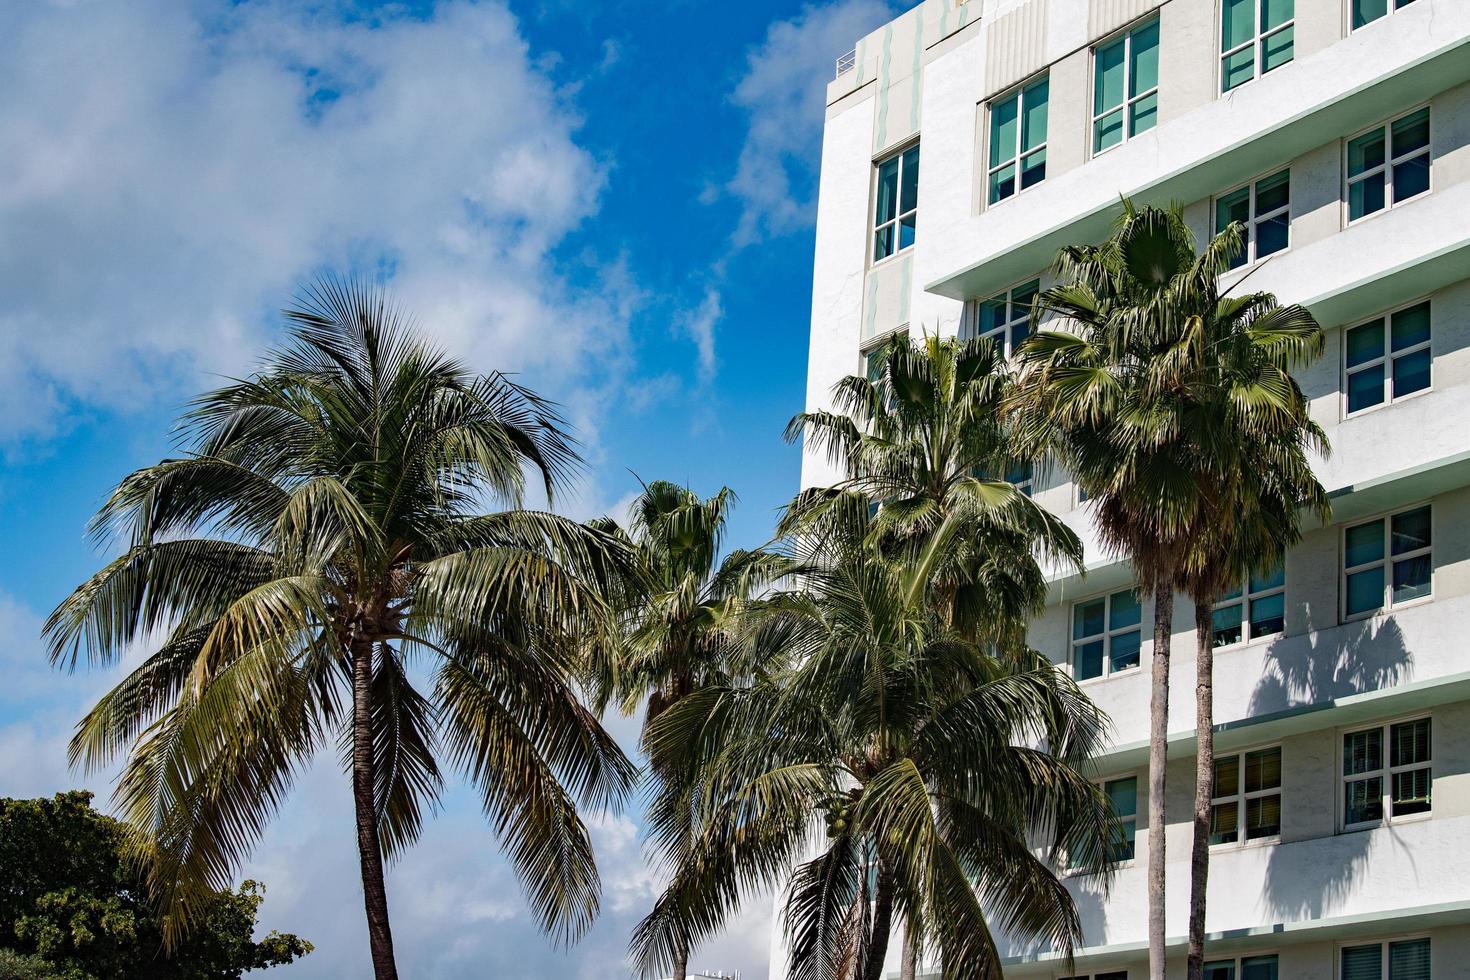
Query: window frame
{"type": "Point", "coordinates": [1017, 91]}
{"type": "Point", "coordinates": [1124, 34]}
{"type": "Point", "coordinates": [1007, 328]}
{"type": "Point", "coordinates": [1387, 561]}
{"type": "Point", "coordinates": [1389, 162]}
{"type": "Point", "coordinates": [1237, 959]}
{"type": "Point", "coordinates": [1256, 42]}
{"type": "Point", "coordinates": [1386, 772]}
{"type": "Point", "coordinates": [1107, 635]}
{"type": "Point", "coordinates": [1245, 600]}
{"type": "Point", "coordinates": [1387, 358]}
{"type": "Point", "coordinates": [1393, 7]}
{"type": "Point", "coordinates": [1242, 797]}
{"type": "Point", "coordinates": [874, 226]}
{"type": "Point", "coordinates": [1383, 945]}
{"type": "Point", "coordinates": [867, 347]}
{"type": "Point", "coordinates": [1251, 256]}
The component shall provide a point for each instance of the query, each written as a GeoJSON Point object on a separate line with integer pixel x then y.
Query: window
{"type": "Point", "coordinates": [1123, 798]}
{"type": "Point", "coordinates": [896, 214]}
{"type": "Point", "coordinates": [1264, 207]}
{"type": "Point", "coordinates": [1388, 164]}
{"type": "Point", "coordinates": [1125, 86]}
{"type": "Point", "coordinates": [1019, 476]}
{"type": "Point", "coordinates": [1387, 562]}
{"type": "Point", "coordinates": [1114, 975]}
{"type": "Point", "coordinates": [1106, 635]}
{"type": "Point", "coordinates": [1017, 141]}
{"type": "Point", "coordinates": [1255, 37]}
{"type": "Point", "coordinates": [1387, 358]}
{"type": "Point", "coordinates": [1256, 608]}
{"type": "Point", "coordinates": [875, 352]}
{"type": "Point", "coordinates": [1247, 802]}
{"type": "Point", "coordinates": [1007, 318]}
{"type": "Point", "coordinates": [1372, 791]}
{"type": "Point", "coordinates": [1367, 11]}
{"type": "Point", "coordinates": [1402, 959]}
{"type": "Point", "coordinates": [1245, 968]}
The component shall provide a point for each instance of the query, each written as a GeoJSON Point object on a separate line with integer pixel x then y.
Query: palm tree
{"type": "Point", "coordinates": [318, 544]}
{"type": "Point", "coordinates": [677, 632]}
{"type": "Point", "coordinates": [1101, 388]}
{"type": "Point", "coordinates": [938, 764]}
{"type": "Point", "coordinates": [1252, 432]}
{"type": "Point", "coordinates": [926, 438]}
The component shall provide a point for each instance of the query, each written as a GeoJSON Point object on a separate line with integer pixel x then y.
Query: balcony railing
{"type": "Point", "coordinates": [846, 63]}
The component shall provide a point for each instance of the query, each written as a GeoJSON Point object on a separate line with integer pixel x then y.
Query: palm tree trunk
{"type": "Point", "coordinates": [681, 963]}
{"type": "Point", "coordinates": [1204, 782]}
{"type": "Point", "coordinates": [882, 924]}
{"type": "Point", "coordinates": [908, 966]}
{"type": "Point", "coordinates": [369, 849]}
{"type": "Point", "coordinates": [1158, 758]}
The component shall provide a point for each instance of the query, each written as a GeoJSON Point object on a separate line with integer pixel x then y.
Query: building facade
{"type": "Point", "coordinates": [965, 142]}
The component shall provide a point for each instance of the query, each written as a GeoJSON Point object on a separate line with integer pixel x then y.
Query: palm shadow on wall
{"type": "Point", "coordinates": [1312, 670]}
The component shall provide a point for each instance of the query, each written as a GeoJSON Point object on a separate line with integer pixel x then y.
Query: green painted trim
{"type": "Point", "coordinates": [885, 82]}
{"type": "Point", "coordinates": [905, 287]}
{"type": "Point", "coordinates": [918, 77]}
{"type": "Point", "coordinates": [870, 308]}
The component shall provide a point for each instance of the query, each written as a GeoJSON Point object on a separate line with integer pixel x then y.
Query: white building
{"type": "Point", "coordinates": [1341, 129]}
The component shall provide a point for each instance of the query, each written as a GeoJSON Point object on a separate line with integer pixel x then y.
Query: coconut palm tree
{"type": "Point", "coordinates": [676, 632]}
{"type": "Point", "coordinates": [937, 764]}
{"type": "Point", "coordinates": [316, 555]}
{"type": "Point", "coordinates": [925, 436]}
{"type": "Point", "coordinates": [1098, 389]}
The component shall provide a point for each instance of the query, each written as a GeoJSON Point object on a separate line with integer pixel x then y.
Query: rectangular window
{"type": "Point", "coordinates": [1020, 477]}
{"type": "Point", "coordinates": [1106, 636]}
{"type": "Point", "coordinates": [896, 210]}
{"type": "Point", "coordinates": [1125, 86]}
{"type": "Point", "coordinates": [875, 352]}
{"type": "Point", "coordinates": [1401, 959]}
{"type": "Point", "coordinates": [1247, 801]}
{"type": "Point", "coordinates": [1387, 562]}
{"type": "Point", "coordinates": [1255, 37]}
{"type": "Point", "coordinates": [1388, 358]}
{"type": "Point", "coordinates": [1367, 11]}
{"type": "Point", "coordinates": [1245, 968]}
{"type": "Point", "coordinates": [1388, 164]}
{"type": "Point", "coordinates": [1256, 608]}
{"type": "Point", "coordinates": [1017, 141]}
{"type": "Point", "coordinates": [1006, 318]}
{"type": "Point", "coordinates": [1264, 207]}
{"type": "Point", "coordinates": [1379, 785]}
{"type": "Point", "coordinates": [1123, 797]}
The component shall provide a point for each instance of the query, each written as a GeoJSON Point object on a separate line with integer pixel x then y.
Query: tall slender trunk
{"type": "Point", "coordinates": [908, 966]}
{"type": "Point", "coordinates": [681, 963]}
{"type": "Point", "coordinates": [1204, 782]}
{"type": "Point", "coordinates": [369, 850]}
{"type": "Point", "coordinates": [1158, 758]}
{"type": "Point", "coordinates": [882, 924]}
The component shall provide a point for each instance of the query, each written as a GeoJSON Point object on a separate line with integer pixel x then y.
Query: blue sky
{"type": "Point", "coordinates": [613, 199]}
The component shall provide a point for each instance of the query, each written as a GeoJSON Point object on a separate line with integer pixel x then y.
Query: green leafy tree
{"type": "Point", "coordinates": [938, 766]}
{"type": "Point", "coordinates": [75, 905]}
{"type": "Point", "coordinates": [321, 541]}
{"type": "Point", "coordinates": [1142, 385]}
{"type": "Point", "coordinates": [677, 632]}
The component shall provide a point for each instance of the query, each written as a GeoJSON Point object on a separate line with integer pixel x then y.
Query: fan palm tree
{"type": "Point", "coordinates": [925, 437]}
{"type": "Point", "coordinates": [1099, 388]}
{"type": "Point", "coordinates": [1253, 433]}
{"type": "Point", "coordinates": [676, 632]}
{"type": "Point", "coordinates": [938, 765]}
{"type": "Point", "coordinates": [318, 544]}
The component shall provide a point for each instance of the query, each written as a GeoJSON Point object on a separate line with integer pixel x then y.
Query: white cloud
{"type": "Point", "coordinates": [699, 325]}
{"type": "Point", "coordinates": [167, 179]}
{"type": "Point", "coordinates": [784, 95]}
